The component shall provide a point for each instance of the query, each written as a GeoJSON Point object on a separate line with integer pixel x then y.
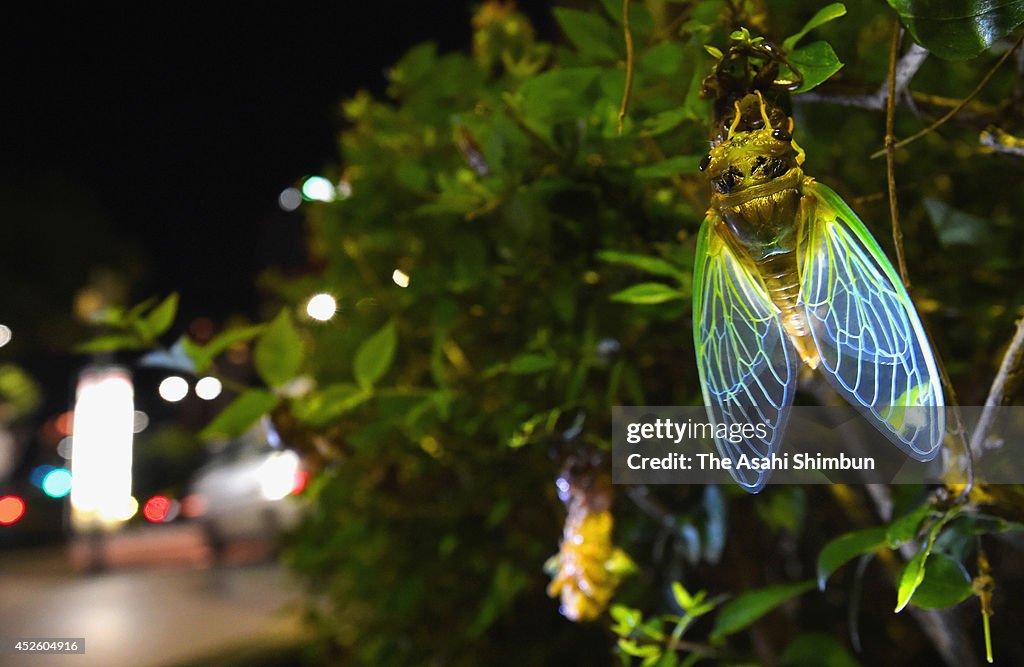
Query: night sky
{"type": "Point", "coordinates": [183, 127]}
{"type": "Point", "coordinates": [154, 139]}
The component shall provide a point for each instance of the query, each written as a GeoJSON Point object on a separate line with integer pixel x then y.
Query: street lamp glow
{"type": "Point", "coordinates": [318, 188]}
{"type": "Point", "coordinates": [208, 388]}
{"type": "Point", "coordinates": [322, 307]}
{"type": "Point", "coordinates": [173, 388]}
{"type": "Point", "coordinates": [400, 277]}
{"type": "Point", "coordinates": [101, 452]}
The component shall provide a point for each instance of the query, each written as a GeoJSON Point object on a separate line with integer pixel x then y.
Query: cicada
{"type": "Point", "coordinates": [588, 566]}
{"type": "Point", "coordinates": [787, 274]}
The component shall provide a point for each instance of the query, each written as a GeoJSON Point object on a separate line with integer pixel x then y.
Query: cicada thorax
{"type": "Point", "coordinates": [758, 198]}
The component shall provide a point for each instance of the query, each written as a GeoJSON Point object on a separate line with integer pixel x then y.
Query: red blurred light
{"type": "Point", "coordinates": [156, 508]}
{"type": "Point", "coordinates": [301, 478]}
{"type": "Point", "coordinates": [193, 506]}
{"type": "Point", "coordinates": [12, 508]}
{"type": "Point", "coordinates": [65, 422]}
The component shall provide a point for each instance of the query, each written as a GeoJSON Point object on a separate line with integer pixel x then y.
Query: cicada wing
{"type": "Point", "coordinates": [872, 346]}
{"type": "Point", "coordinates": [747, 367]}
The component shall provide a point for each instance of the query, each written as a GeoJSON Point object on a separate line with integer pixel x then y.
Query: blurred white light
{"type": "Point", "coordinates": [140, 421]}
{"type": "Point", "coordinates": [123, 511]}
{"type": "Point", "coordinates": [173, 389]}
{"type": "Point", "coordinates": [208, 388]}
{"type": "Point", "coordinates": [277, 474]}
{"type": "Point", "coordinates": [5, 335]}
{"type": "Point", "coordinates": [344, 189]}
{"type": "Point", "coordinates": [289, 199]}
{"type": "Point", "coordinates": [64, 447]}
{"type": "Point", "coordinates": [400, 277]}
{"type": "Point", "coordinates": [318, 188]}
{"type": "Point", "coordinates": [101, 453]}
{"type": "Point", "coordinates": [322, 307]}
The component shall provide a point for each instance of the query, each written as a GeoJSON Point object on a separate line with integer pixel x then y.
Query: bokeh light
{"type": "Point", "coordinates": [156, 509]}
{"type": "Point", "coordinates": [318, 188]}
{"type": "Point", "coordinates": [57, 483]}
{"type": "Point", "coordinates": [193, 505]}
{"type": "Point", "coordinates": [5, 335]}
{"type": "Point", "coordinates": [140, 420]}
{"type": "Point", "coordinates": [39, 473]}
{"type": "Point", "coordinates": [64, 447]}
{"type": "Point", "coordinates": [400, 277]}
{"type": "Point", "coordinates": [289, 199]}
{"type": "Point", "coordinates": [173, 388]}
{"type": "Point", "coordinates": [65, 422]}
{"type": "Point", "coordinates": [12, 508]}
{"type": "Point", "coordinates": [208, 388]}
{"type": "Point", "coordinates": [278, 475]}
{"type": "Point", "coordinates": [322, 307]}
{"type": "Point", "coordinates": [123, 512]}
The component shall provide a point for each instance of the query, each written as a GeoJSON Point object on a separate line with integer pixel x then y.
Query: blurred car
{"type": "Point", "coordinates": [247, 491]}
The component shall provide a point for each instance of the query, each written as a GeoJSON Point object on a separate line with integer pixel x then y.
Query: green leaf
{"type": "Point", "coordinates": [590, 33]}
{"type": "Point", "coordinates": [946, 583]}
{"type": "Point", "coordinates": [655, 265]}
{"type": "Point", "coordinates": [911, 577]}
{"type": "Point", "coordinates": [816, 650]}
{"type": "Point", "coordinates": [674, 166]}
{"type": "Point", "coordinates": [954, 226]}
{"type": "Point", "coordinates": [824, 15]}
{"type": "Point", "coordinates": [667, 120]}
{"type": "Point", "coordinates": [240, 414]}
{"type": "Point", "coordinates": [204, 355]}
{"type": "Point", "coordinates": [626, 615]}
{"type": "Point", "coordinates": [558, 95]}
{"type": "Point", "coordinates": [682, 596]}
{"type": "Point", "coordinates": [847, 547]}
{"type": "Point", "coordinates": [959, 29]}
{"type": "Point", "coordinates": [647, 293]}
{"type": "Point", "coordinates": [816, 62]}
{"type": "Point", "coordinates": [630, 647]}
{"type": "Point", "coordinates": [161, 318]}
{"type": "Point", "coordinates": [279, 351]}
{"type": "Point", "coordinates": [112, 343]}
{"type": "Point", "coordinates": [743, 610]}
{"type": "Point", "coordinates": [374, 356]}
{"type": "Point", "coordinates": [529, 363]}
{"type": "Point", "coordinates": [322, 407]}
{"type": "Point", "coordinates": [905, 527]}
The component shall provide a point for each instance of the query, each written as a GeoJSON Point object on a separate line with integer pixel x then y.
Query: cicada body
{"type": "Point", "coordinates": [787, 274]}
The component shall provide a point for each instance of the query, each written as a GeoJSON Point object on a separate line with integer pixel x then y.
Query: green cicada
{"type": "Point", "coordinates": [786, 273]}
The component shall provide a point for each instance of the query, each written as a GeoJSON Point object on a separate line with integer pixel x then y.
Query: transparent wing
{"type": "Point", "coordinates": [747, 369]}
{"type": "Point", "coordinates": [872, 346]}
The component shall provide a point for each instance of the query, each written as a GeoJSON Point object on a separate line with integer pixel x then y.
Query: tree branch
{"type": "Point", "coordinates": [1002, 387]}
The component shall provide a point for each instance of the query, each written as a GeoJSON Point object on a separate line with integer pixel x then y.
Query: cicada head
{"type": "Point", "coordinates": [756, 151]}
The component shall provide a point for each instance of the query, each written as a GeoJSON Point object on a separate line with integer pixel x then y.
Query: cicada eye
{"type": "Point", "coordinates": [782, 135]}
{"type": "Point", "coordinates": [705, 161]}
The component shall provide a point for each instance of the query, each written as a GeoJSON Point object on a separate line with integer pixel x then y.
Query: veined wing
{"type": "Point", "coordinates": [747, 369]}
{"type": "Point", "coordinates": [872, 346]}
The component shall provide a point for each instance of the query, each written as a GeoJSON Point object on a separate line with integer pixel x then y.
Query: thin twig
{"type": "Point", "coordinates": [629, 64]}
{"type": "Point", "coordinates": [890, 155]}
{"type": "Point", "coordinates": [955, 110]}
{"type": "Point", "coordinates": [1013, 362]}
